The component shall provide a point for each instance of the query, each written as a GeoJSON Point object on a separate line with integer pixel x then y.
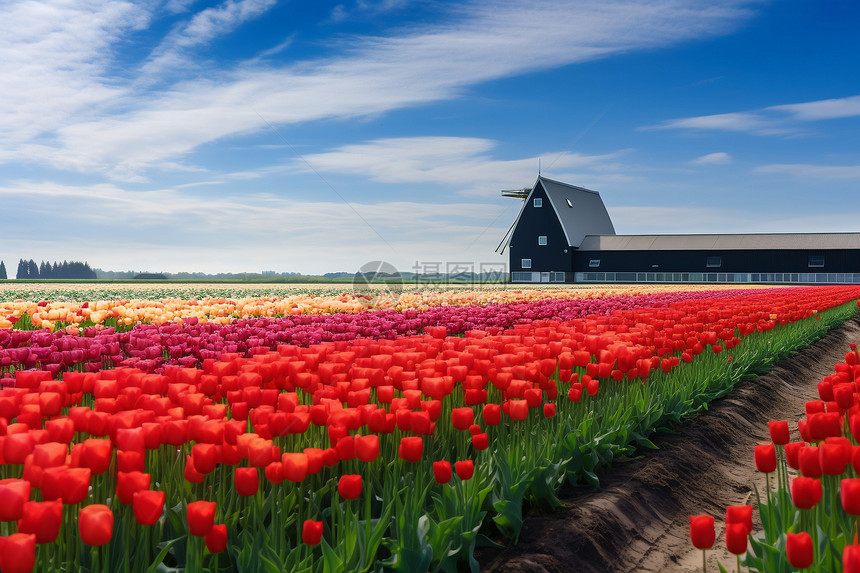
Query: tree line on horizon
{"type": "Point", "coordinates": [46, 270]}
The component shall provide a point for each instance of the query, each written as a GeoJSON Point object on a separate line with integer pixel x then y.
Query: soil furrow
{"type": "Point", "coordinates": [638, 521]}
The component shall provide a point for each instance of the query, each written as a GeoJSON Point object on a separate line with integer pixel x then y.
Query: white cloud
{"type": "Point", "coordinates": [773, 120]}
{"type": "Point", "coordinates": [460, 163]}
{"type": "Point", "coordinates": [824, 109]}
{"type": "Point", "coordinates": [56, 62]}
{"type": "Point", "coordinates": [718, 158]}
{"type": "Point", "coordinates": [201, 29]}
{"type": "Point", "coordinates": [830, 172]}
{"type": "Point", "coordinates": [480, 42]}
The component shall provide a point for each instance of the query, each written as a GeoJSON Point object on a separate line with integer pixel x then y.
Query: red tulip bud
{"type": "Point", "coordinates": [442, 471]}
{"type": "Point", "coordinates": [95, 523]}
{"type": "Point", "coordinates": [702, 531]}
{"type": "Point", "coordinates": [798, 549]}
{"type": "Point", "coordinates": [312, 532]}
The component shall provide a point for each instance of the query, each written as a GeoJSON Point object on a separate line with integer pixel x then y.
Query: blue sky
{"type": "Point", "coordinates": [253, 135]}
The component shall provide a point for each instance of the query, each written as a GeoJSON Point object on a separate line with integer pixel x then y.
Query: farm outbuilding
{"type": "Point", "coordinates": [563, 234]}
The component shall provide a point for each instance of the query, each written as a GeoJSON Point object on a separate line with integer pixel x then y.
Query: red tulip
{"type": "Point", "coordinates": [18, 553]}
{"type": "Point", "coordinates": [50, 455]}
{"type": "Point", "coordinates": [824, 424]}
{"type": "Point", "coordinates": [740, 514]}
{"type": "Point", "coordinates": [805, 492]}
{"type": "Point", "coordinates": [42, 518]}
{"type": "Point", "coordinates": [849, 490]}
{"type": "Point", "coordinates": [481, 441]}
{"type": "Point", "coordinates": [70, 484]}
{"type": "Point", "coordinates": [295, 466]}
{"type": "Point", "coordinates": [465, 469]}
{"type": "Point", "coordinates": [203, 457]}
{"type": "Point", "coordinates": [95, 523]}
{"type": "Point", "coordinates": [96, 455]}
{"type": "Point", "coordinates": [548, 410]}
{"type": "Point", "coordinates": [492, 414]}
{"type": "Point", "coordinates": [442, 471]}
{"type": "Point", "coordinates": [191, 474]}
{"type": "Point", "coordinates": [247, 481]}
{"type": "Point", "coordinates": [792, 453]}
{"type": "Point", "coordinates": [130, 460]}
{"type": "Point", "coordinates": [367, 447]}
{"type": "Point", "coordinates": [798, 549]}
{"type": "Point", "coordinates": [201, 517]}
{"type": "Point", "coordinates": [312, 532]}
{"type": "Point", "coordinates": [345, 447]}
{"type": "Point", "coordinates": [148, 506]}
{"type": "Point", "coordinates": [275, 472]}
{"type": "Point", "coordinates": [349, 486]}
{"type": "Point", "coordinates": [518, 409]}
{"type": "Point", "coordinates": [851, 559]}
{"type": "Point", "coordinates": [127, 483]}
{"type": "Point", "coordinates": [736, 538]}
{"type": "Point", "coordinates": [411, 448]}
{"type": "Point", "coordinates": [216, 538]}
{"type": "Point", "coordinates": [765, 458]}
{"type": "Point", "coordinates": [834, 454]}
{"type": "Point", "coordinates": [808, 458]}
{"type": "Point", "coordinates": [13, 494]}
{"type": "Point", "coordinates": [16, 447]}
{"type": "Point", "coordinates": [702, 531]}
{"type": "Point", "coordinates": [462, 418]}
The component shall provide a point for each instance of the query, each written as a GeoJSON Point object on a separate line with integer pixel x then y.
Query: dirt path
{"type": "Point", "coordinates": [638, 521]}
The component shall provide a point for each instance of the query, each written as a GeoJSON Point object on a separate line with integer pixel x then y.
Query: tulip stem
{"type": "Point", "coordinates": [704, 562]}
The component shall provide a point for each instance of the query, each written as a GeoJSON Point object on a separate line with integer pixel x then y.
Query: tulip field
{"type": "Point", "coordinates": [327, 432]}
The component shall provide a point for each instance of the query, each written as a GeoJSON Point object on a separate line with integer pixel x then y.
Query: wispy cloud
{"type": "Point", "coordinates": [774, 120]}
{"type": "Point", "coordinates": [201, 29]}
{"type": "Point", "coordinates": [365, 8]}
{"type": "Point", "coordinates": [717, 158]}
{"type": "Point", "coordinates": [823, 109]}
{"type": "Point", "coordinates": [463, 164]}
{"type": "Point", "coordinates": [128, 129]}
{"type": "Point", "coordinates": [830, 172]}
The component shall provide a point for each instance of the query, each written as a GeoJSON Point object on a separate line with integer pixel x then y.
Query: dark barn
{"type": "Point", "coordinates": [563, 233]}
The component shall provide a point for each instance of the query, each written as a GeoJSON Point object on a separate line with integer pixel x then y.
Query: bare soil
{"type": "Point", "coordinates": [638, 520]}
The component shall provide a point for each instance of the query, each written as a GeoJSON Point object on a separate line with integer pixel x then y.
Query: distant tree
{"type": "Point", "coordinates": [33, 269]}
{"type": "Point", "coordinates": [22, 270]}
{"type": "Point", "coordinates": [3, 276]}
{"type": "Point", "coordinates": [43, 270]}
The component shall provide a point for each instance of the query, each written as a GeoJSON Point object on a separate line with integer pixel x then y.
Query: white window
{"type": "Point", "coordinates": [714, 262]}
{"type": "Point", "coordinates": [816, 261]}
{"type": "Point", "coordinates": [526, 263]}
{"type": "Point", "coordinates": [542, 240]}
{"type": "Point", "coordinates": [538, 202]}
{"type": "Point", "coordinates": [594, 263]}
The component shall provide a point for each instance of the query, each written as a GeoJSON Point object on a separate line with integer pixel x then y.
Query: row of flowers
{"type": "Point", "coordinates": [355, 454]}
{"type": "Point", "coordinates": [151, 347]}
{"type": "Point", "coordinates": [133, 307]}
{"type": "Point", "coordinates": [810, 509]}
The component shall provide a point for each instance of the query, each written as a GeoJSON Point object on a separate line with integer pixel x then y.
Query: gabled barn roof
{"type": "Point", "coordinates": [580, 211]}
{"type": "Point", "coordinates": [764, 241]}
